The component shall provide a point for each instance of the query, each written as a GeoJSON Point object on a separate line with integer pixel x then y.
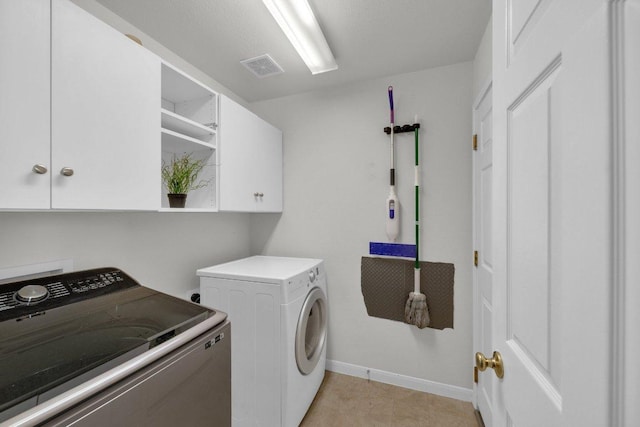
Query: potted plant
{"type": "Point", "coordinates": [181, 176]}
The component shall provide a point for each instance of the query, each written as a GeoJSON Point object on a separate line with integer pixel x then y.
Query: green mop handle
{"type": "Point", "coordinates": [417, 184]}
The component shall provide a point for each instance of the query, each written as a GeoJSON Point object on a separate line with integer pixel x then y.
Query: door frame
{"type": "Point", "coordinates": [625, 64]}
{"type": "Point", "coordinates": [477, 303]}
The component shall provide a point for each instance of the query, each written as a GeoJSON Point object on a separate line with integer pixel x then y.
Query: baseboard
{"type": "Point", "coordinates": [405, 381]}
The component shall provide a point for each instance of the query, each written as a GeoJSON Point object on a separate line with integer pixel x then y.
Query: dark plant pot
{"type": "Point", "coordinates": [177, 200]}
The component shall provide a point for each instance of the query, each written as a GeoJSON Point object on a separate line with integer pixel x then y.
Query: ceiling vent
{"type": "Point", "coordinates": [262, 66]}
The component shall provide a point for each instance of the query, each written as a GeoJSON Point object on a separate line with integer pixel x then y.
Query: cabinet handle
{"type": "Point", "coordinates": [39, 169]}
{"type": "Point", "coordinates": [260, 194]}
{"type": "Point", "coordinates": [66, 171]}
{"type": "Point", "coordinates": [256, 194]}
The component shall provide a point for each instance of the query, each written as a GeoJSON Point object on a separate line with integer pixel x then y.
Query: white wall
{"type": "Point", "coordinates": [161, 250]}
{"type": "Point", "coordinates": [336, 181]}
{"type": "Point", "coordinates": [482, 63]}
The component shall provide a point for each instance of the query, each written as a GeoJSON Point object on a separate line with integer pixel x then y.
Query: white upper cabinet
{"type": "Point", "coordinates": [105, 121]}
{"type": "Point", "coordinates": [250, 161]}
{"type": "Point", "coordinates": [24, 104]}
{"type": "Point", "coordinates": [79, 122]}
{"type": "Point", "coordinates": [87, 118]}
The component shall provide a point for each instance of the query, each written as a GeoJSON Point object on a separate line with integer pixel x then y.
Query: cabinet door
{"type": "Point", "coordinates": [250, 161]}
{"type": "Point", "coordinates": [269, 168]}
{"type": "Point", "coordinates": [24, 103]}
{"type": "Point", "coordinates": [105, 120]}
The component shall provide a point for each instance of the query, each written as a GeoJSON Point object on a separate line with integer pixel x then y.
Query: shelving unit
{"type": "Point", "coordinates": [189, 113]}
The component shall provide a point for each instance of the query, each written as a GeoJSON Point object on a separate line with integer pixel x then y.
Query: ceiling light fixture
{"type": "Point", "coordinates": [300, 25]}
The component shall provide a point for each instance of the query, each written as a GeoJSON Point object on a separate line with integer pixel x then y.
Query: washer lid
{"type": "Point", "coordinates": [49, 348]}
{"type": "Point", "coordinates": [261, 269]}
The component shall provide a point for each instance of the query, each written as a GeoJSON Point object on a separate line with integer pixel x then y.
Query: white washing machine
{"type": "Point", "coordinates": [278, 312]}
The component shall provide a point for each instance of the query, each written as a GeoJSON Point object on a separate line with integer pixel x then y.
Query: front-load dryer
{"type": "Point", "coordinates": [278, 312]}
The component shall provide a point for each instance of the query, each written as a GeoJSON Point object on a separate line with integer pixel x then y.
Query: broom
{"type": "Point", "coordinates": [415, 310]}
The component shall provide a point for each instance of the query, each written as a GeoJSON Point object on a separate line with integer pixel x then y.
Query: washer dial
{"type": "Point", "coordinates": [31, 294]}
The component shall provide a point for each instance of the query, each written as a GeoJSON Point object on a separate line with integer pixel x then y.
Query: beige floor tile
{"type": "Point", "coordinates": [345, 401]}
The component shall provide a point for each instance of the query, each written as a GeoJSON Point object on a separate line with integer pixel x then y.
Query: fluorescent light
{"type": "Point", "coordinates": [298, 22]}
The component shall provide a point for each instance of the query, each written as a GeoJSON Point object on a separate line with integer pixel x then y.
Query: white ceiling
{"type": "Point", "coordinates": [369, 38]}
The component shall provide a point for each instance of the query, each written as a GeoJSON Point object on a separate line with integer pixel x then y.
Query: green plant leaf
{"type": "Point", "coordinates": [181, 174]}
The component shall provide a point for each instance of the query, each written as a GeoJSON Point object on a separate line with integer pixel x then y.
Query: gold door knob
{"type": "Point", "coordinates": [482, 363]}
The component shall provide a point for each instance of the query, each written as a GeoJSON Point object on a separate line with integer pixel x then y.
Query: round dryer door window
{"type": "Point", "coordinates": [311, 332]}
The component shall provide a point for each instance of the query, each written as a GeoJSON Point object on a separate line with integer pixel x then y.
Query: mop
{"type": "Point", "coordinates": [393, 207]}
{"type": "Point", "coordinates": [415, 310]}
{"type": "Point", "coordinates": [390, 248]}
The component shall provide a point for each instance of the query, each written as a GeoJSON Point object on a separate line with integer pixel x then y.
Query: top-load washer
{"type": "Point", "coordinates": [278, 310]}
{"type": "Point", "coordinates": [96, 348]}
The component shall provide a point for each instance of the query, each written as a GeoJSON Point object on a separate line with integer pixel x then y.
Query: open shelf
{"type": "Point", "coordinates": [178, 143]}
{"type": "Point", "coordinates": [187, 210]}
{"type": "Point", "coordinates": [181, 124]}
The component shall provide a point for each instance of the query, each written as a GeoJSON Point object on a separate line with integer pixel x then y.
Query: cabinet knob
{"type": "Point", "coordinates": [256, 194]}
{"type": "Point", "coordinates": [260, 194]}
{"type": "Point", "coordinates": [66, 171]}
{"type": "Point", "coordinates": [39, 169]}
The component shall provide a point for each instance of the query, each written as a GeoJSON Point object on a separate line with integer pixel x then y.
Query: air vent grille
{"type": "Point", "coordinates": [262, 66]}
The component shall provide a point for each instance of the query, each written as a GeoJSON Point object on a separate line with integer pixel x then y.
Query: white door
{"type": "Point", "coordinates": [482, 231]}
{"type": "Point", "coordinates": [553, 234]}
{"type": "Point", "coordinates": [105, 115]}
{"type": "Point", "coordinates": [24, 104]}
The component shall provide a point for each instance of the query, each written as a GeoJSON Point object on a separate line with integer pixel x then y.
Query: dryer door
{"type": "Point", "coordinates": [311, 332]}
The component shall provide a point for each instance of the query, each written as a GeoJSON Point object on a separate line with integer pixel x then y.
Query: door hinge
{"type": "Point", "coordinates": [475, 258]}
{"type": "Point", "coordinates": [475, 374]}
{"type": "Point", "coordinates": [475, 142]}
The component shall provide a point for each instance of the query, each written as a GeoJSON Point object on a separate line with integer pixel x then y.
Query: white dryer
{"type": "Point", "coordinates": [278, 312]}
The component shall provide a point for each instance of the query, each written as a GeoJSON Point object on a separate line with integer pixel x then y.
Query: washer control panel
{"type": "Point", "coordinates": [101, 280]}
{"type": "Point", "coordinates": [18, 299]}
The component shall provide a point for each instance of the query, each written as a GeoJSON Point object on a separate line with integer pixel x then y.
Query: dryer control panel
{"type": "Point", "coordinates": [300, 285]}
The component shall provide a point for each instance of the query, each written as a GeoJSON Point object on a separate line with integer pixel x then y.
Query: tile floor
{"type": "Point", "coordinates": [349, 401]}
